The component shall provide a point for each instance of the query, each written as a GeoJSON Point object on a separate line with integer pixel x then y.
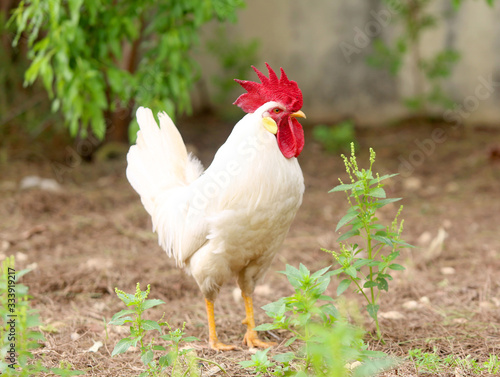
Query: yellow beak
{"type": "Point", "coordinates": [298, 114]}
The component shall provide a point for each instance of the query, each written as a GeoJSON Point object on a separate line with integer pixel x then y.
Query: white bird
{"type": "Point", "coordinates": [231, 219]}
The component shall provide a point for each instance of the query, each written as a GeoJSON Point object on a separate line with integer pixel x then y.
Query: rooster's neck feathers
{"type": "Point", "coordinates": [282, 90]}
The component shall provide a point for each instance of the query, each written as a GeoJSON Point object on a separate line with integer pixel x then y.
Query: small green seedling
{"type": "Point", "coordinates": [367, 264]}
{"type": "Point", "coordinates": [179, 361]}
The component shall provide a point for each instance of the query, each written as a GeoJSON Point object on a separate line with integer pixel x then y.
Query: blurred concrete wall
{"type": "Point", "coordinates": [324, 44]}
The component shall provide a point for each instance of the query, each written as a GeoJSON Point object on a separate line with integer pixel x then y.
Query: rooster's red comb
{"type": "Point", "coordinates": [280, 90]}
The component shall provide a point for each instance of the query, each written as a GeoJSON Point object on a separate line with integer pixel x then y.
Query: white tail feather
{"type": "Point", "coordinates": [159, 160]}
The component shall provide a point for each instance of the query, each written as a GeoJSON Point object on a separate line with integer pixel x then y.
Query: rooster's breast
{"type": "Point", "coordinates": [250, 218]}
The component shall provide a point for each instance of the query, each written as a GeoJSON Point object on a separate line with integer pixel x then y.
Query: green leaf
{"type": "Point", "coordinates": [123, 345]}
{"type": "Point", "coordinates": [385, 240]}
{"type": "Point", "coordinates": [360, 263]}
{"type": "Point", "coordinates": [382, 284]}
{"type": "Point", "coordinates": [343, 285]}
{"type": "Point", "coordinates": [276, 308]}
{"type": "Point", "coordinates": [374, 263]}
{"type": "Point", "coordinates": [290, 341]}
{"type": "Point", "coordinates": [148, 325]}
{"type": "Point", "coordinates": [377, 226]}
{"type": "Point", "coordinates": [383, 202]}
{"type": "Point", "coordinates": [20, 274]}
{"type": "Point", "coordinates": [322, 284]}
{"type": "Point", "coordinates": [147, 357]}
{"type": "Point", "coordinates": [369, 284]}
{"type": "Point", "coordinates": [293, 275]}
{"type": "Point", "coordinates": [261, 356]}
{"type": "Point", "coordinates": [120, 321]}
{"type": "Point", "coordinates": [351, 271]}
{"type": "Point", "coordinates": [349, 234]}
{"type": "Point", "coordinates": [151, 303]}
{"type": "Point", "coordinates": [247, 363]}
{"type": "Point", "coordinates": [341, 188]}
{"type": "Point", "coordinates": [337, 271]}
{"type": "Point", "coordinates": [331, 310]}
{"type": "Point", "coordinates": [377, 192]}
{"type": "Point", "coordinates": [121, 313]}
{"type": "Point", "coordinates": [284, 357]}
{"type": "Point", "coordinates": [326, 298]}
{"type": "Point", "coordinates": [402, 243]}
{"type": "Point", "coordinates": [304, 272]}
{"type": "Point", "coordinates": [267, 327]}
{"type": "Point", "coordinates": [380, 179]}
{"type": "Point", "coordinates": [372, 310]}
{"type": "Point", "coordinates": [396, 267]}
{"type": "Point", "coordinates": [346, 219]}
{"type": "Point", "coordinates": [319, 273]}
{"type": "Point", "coordinates": [165, 360]}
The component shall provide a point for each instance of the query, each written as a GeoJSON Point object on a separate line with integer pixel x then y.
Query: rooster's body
{"type": "Point", "coordinates": [231, 219]}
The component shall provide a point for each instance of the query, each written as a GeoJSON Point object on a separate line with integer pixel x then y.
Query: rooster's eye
{"type": "Point", "coordinates": [277, 110]}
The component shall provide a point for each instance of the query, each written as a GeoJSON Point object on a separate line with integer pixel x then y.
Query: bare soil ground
{"type": "Point", "coordinates": [94, 235]}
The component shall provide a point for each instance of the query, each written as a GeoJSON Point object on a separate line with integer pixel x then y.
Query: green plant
{"type": "Point", "coordinates": [367, 266]}
{"type": "Point", "coordinates": [428, 73]}
{"type": "Point", "coordinates": [18, 337]}
{"type": "Point", "coordinates": [233, 55]}
{"type": "Point", "coordinates": [492, 366]}
{"type": "Point", "coordinates": [327, 345]}
{"type": "Point", "coordinates": [179, 361]}
{"type": "Point", "coordinates": [335, 138]}
{"type": "Point", "coordinates": [97, 59]}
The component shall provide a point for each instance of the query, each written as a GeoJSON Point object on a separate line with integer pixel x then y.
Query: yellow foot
{"type": "Point", "coordinates": [218, 346]}
{"type": "Point", "coordinates": [252, 340]}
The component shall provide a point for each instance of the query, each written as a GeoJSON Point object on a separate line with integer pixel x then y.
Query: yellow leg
{"type": "Point", "coordinates": [251, 338]}
{"type": "Point", "coordinates": [212, 334]}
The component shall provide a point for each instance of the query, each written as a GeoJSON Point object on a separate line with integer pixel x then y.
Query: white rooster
{"type": "Point", "coordinates": [231, 219]}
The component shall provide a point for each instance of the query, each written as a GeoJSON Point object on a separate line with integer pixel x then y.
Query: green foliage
{"type": "Point", "coordinates": [98, 57]}
{"type": "Point", "coordinates": [233, 55]}
{"type": "Point", "coordinates": [429, 72]}
{"type": "Point", "coordinates": [27, 106]}
{"type": "Point", "coordinates": [327, 346]}
{"type": "Point", "coordinates": [335, 138]}
{"type": "Point", "coordinates": [367, 266]}
{"type": "Point", "coordinates": [178, 361]}
{"type": "Point", "coordinates": [18, 337]}
{"type": "Point", "coordinates": [457, 3]}
{"type": "Point", "coordinates": [431, 362]}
